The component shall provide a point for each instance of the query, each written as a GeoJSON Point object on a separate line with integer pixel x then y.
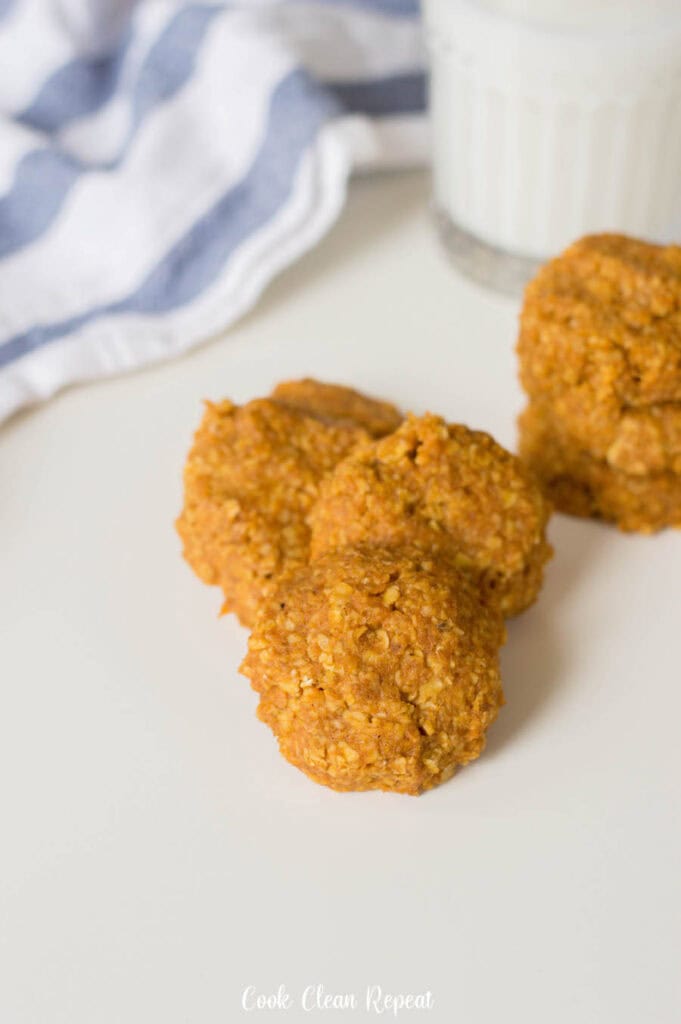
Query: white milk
{"type": "Point", "coordinates": [551, 120]}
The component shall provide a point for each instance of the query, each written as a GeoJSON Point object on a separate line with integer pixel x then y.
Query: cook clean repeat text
{"type": "Point", "coordinates": [374, 999]}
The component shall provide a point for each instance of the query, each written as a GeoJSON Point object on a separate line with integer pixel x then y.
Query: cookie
{"type": "Point", "coordinates": [447, 490]}
{"type": "Point", "coordinates": [250, 479]}
{"type": "Point", "coordinates": [635, 439]}
{"type": "Point", "coordinates": [333, 403]}
{"type": "Point", "coordinates": [377, 670]}
{"type": "Point", "coordinates": [605, 317]}
{"type": "Point", "coordinates": [582, 485]}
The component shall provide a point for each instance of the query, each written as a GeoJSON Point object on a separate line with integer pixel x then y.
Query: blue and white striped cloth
{"type": "Point", "coordinates": [160, 162]}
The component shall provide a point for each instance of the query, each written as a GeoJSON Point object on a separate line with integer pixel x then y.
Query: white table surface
{"type": "Point", "coordinates": [158, 856]}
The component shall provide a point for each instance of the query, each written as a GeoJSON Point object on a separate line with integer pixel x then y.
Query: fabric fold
{"type": "Point", "coordinates": [150, 192]}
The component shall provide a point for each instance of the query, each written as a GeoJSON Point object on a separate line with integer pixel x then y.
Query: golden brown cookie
{"type": "Point", "coordinates": [336, 404]}
{"type": "Point", "coordinates": [447, 489]}
{"type": "Point", "coordinates": [377, 671]}
{"type": "Point", "coordinates": [582, 485]}
{"type": "Point", "coordinates": [605, 317]}
{"type": "Point", "coordinates": [251, 477]}
{"type": "Point", "coordinates": [636, 440]}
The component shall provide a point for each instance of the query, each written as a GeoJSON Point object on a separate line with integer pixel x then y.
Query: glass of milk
{"type": "Point", "coordinates": [552, 119]}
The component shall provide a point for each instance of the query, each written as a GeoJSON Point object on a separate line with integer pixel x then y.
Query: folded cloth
{"type": "Point", "coordinates": [160, 162]}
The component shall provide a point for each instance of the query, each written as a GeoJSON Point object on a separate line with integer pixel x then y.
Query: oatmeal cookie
{"type": "Point", "coordinates": [637, 440]}
{"type": "Point", "coordinates": [580, 484]}
{"type": "Point", "coordinates": [333, 403]}
{"type": "Point", "coordinates": [250, 478]}
{"type": "Point", "coordinates": [377, 671]}
{"type": "Point", "coordinates": [605, 316]}
{"type": "Point", "coordinates": [445, 489]}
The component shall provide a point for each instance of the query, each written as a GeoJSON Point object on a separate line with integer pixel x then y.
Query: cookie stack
{"type": "Point", "coordinates": [375, 559]}
{"type": "Point", "coordinates": [600, 358]}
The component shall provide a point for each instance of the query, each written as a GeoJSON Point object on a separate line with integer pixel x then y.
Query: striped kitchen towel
{"type": "Point", "coordinates": [160, 162]}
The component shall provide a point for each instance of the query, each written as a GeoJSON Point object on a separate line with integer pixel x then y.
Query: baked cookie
{"type": "Point", "coordinates": [607, 312]}
{"type": "Point", "coordinates": [637, 440]}
{"type": "Point", "coordinates": [600, 358]}
{"type": "Point", "coordinates": [580, 484]}
{"type": "Point", "coordinates": [250, 479]}
{"type": "Point", "coordinates": [447, 490]}
{"type": "Point", "coordinates": [376, 670]}
{"type": "Point", "coordinates": [336, 404]}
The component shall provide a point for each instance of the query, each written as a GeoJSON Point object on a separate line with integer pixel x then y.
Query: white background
{"type": "Point", "coordinates": [157, 855]}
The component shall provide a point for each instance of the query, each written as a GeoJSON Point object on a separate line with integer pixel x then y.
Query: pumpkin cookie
{"type": "Point", "coordinates": [600, 341]}
{"type": "Point", "coordinates": [580, 484]}
{"type": "Point", "coordinates": [607, 312]}
{"type": "Point", "coordinates": [250, 479]}
{"type": "Point", "coordinates": [637, 440]}
{"type": "Point", "coordinates": [376, 670]}
{"type": "Point", "coordinates": [600, 358]}
{"type": "Point", "coordinates": [447, 490]}
{"type": "Point", "coordinates": [333, 403]}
